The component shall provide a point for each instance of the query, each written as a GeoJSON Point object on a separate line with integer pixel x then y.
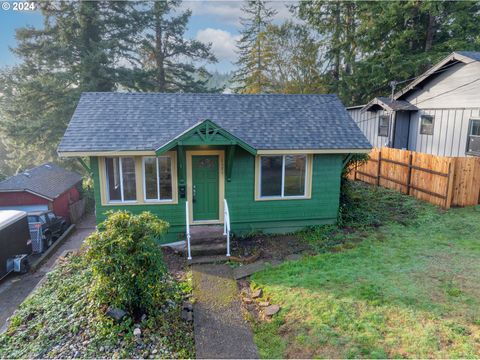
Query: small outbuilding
{"type": "Point", "coordinates": [45, 187]}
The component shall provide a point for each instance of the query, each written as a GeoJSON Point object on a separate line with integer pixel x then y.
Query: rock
{"type": "Point", "coordinates": [137, 332]}
{"type": "Point", "coordinates": [247, 300]}
{"type": "Point", "coordinates": [143, 318]}
{"type": "Point", "coordinates": [184, 314]}
{"type": "Point", "coordinates": [187, 305]}
{"type": "Point", "coordinates": [154, 351]}
{"type": "Point", "coordinates": [272, 310]}
{"type": "Point", "coordinates": [263, 303]}
{"type": "Point", "coordinates": [257, 293]}
{"type": "Point", "coordinates": [115, 313]}
{"type": "Point", "coordinates": [189, 316]}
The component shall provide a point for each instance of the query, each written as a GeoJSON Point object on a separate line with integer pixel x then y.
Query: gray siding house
{"type": "Point", "coordinates": [437, 113]}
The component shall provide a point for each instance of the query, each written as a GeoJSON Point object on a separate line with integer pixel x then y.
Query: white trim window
{"type": "Point", "coordinates": [473, 140]}
{"type": "Point", "coordinates": [426, 124]}
{"type": "Point", "coordinates": [283, 176]}
{"type": "Point", "coordinates": [120, 176]}
{"type": "Point", "coordinates": [157, 178]}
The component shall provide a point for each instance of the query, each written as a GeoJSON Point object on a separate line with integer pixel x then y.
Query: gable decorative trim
{"type": "Point", "coordinates": [205, 133]}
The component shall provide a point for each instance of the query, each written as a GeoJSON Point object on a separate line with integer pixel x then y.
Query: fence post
{"type": "Point", "coordinates": [379, 167]}
{"type": "Point", "coordinates": [409, 175]}
{"type": "Point", "coordinates": [449, 193]}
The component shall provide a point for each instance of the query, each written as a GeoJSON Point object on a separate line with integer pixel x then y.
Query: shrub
{"type": "Point", "coordinates": [127, 263]}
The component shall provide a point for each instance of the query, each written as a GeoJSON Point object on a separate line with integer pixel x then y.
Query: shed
{"type": "Point", "coordinates": [44, 187]}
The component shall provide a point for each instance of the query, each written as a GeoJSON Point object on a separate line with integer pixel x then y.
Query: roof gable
{"type": "Point", "coordinates": [47, 181]}
{"type": "Point", "coordinates": [389, 105]}
{"type": "Point", "coordinates": [122, 122]}
{"type": "Point", "coordinates": [205, 133]}
{"type": "Point", "coordinates": [459, 57]}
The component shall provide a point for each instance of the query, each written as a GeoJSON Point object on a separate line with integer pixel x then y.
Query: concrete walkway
{"type": "Point", "coordinates": [15, 288]}
{"type": "Point", "coordinates": [221, 331]}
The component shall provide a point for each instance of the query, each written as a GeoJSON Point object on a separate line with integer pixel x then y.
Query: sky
{"type": "Point", "coordinates": [215, 22]}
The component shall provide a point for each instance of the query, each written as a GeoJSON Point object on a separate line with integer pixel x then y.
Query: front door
{"type": "Point", "coordinates": [205, 186]}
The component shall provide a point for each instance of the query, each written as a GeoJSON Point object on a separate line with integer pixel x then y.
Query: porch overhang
{"type": "Point", "coordinates": [383, 103]}
{"type": "Point", "coordinates": [205, 133]}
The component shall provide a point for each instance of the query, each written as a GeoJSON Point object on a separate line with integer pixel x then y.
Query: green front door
{"type": "Point", "coordinates": [205, 187]}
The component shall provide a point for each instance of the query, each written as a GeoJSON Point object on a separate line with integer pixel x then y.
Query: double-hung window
{"type": "Point", "coordinates": [157, 175]}
{"type": "Point", "coordinates": [283, 176]}
{"type": "Point", "coordinates": [383, 125]}
{"type": "Point", "coordinates": [120, 176]}
{"type": "Point", "coordinates": [473, 140]}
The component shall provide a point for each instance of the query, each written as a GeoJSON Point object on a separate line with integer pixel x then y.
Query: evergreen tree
{"type": "Point", "coordinates": [77, 50]}
{"type": "Point", "coordinates": [254, 52]}
{"type": "Point", "coordinates": [294, 66]}
{"type": "Point", "coordinates": [168, 58]}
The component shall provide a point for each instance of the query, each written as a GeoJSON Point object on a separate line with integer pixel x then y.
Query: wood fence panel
{"type": "Point", "coordinates": [432, 185]}
{"type": "Point", "coordinates": [444, 181]}
{"type": "Point", "coordinates": [393, 175]}
{"type": "Point", "coordinates": [77, 209]}
{"type": "Point", "coordinates": [466, 188]}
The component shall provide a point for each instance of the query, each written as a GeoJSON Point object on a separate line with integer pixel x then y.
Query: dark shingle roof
{"type": "Point", "coordinates": [48, 180]}
{"type": "Point", "coordinates": [474, 55]}
{"type": "Point", "coordinates": [146, 121]}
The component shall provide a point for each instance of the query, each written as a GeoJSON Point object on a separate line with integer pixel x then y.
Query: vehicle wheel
{"type": "Point", "coordinates": [48, 240]}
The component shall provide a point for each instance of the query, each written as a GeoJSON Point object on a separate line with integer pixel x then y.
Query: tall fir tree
{"type": "Point", "coordinates": [254, 53]}
{"type": "Point", "coordinates": [76, 50]}
{"type": "Point", "coordinates": [294, 66]}
{"type": "Point", "coordinates": [168, 59]}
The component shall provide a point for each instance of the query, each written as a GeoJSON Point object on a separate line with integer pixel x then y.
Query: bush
{"type": "Point", "coordinates": [127, 263]}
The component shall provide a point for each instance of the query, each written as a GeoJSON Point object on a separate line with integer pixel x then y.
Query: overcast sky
{"type": "Point", "coordinates": [215, 22]}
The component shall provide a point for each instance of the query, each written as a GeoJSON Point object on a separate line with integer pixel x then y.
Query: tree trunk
{"type": "Point", "coordinates": [160, 82]}
{"type": "Point", "coordinates": [430, 32]}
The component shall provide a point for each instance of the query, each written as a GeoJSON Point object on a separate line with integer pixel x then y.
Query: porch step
{"type": "Point", "coordinates": [208, 259]}
{"type": "Point", "coordinates": [208, 249]}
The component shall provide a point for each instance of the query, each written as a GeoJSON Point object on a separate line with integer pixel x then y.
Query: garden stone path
{"type": "Point", "coordinates": [221, 330]}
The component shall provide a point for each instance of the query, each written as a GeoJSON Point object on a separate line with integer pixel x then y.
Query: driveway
{"type": "Point", "coordinates": [15, 288]}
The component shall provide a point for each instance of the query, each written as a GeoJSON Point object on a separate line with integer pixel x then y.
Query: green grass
{"type": "Point", "coordinates": [402, 280]}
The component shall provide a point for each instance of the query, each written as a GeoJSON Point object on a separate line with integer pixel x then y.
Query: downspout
{"type": "Point", "coordinates": [392, 132]}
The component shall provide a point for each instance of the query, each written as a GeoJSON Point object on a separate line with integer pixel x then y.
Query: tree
{"type": "Point", "coordinates": [77, 50]}
{"type": "Point", "coordinates": [254, 54]}
{"type": "Point", "coordinates": [168, 58]}
{"type": "Point", "coordinates": [294, 66]}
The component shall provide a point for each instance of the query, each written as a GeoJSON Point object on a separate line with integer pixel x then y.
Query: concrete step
{"type": "Point", "coordinates": [208, 249]}
{"type": "Point", "coordinates": [208, 259]}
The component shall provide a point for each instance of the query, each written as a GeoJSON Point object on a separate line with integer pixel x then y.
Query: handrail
{"type": "Point", "coordinates": [226, 224]}
{"type": "Point", "coordinates": [187, 221]}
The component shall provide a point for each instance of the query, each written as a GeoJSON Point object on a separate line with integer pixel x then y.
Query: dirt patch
{"type": "Point", "coordinates": [176, 263]}
{"type": "Point", "coordinates": [271, 247]}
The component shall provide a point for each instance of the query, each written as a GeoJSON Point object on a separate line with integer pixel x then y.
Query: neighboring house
{"type": "Point", "coordinates": [276, 159]}
{"type": "Point", "coordinates": [45, 187]}
{"type": "Point", "coordinates": [437, 113]}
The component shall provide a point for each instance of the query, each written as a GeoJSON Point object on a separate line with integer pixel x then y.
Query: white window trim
{"type": "Point", "coordinates": [122, 196]}
{"type": "Point", "coordinates": [425, 116]}
{"type": "Point", "coordinates": [157, 200]}
{"type": "Point", "coordinates": [283, 196]}
{"type": "Point", "coordinates": [380, 118]}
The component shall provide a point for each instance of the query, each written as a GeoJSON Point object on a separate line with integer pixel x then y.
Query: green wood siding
{"type": "Point", "coordinates": [247, 214]}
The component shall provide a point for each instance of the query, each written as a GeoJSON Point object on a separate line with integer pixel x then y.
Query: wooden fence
{"type": "Point", "coordinates": [444, 181]}
{"type": "Point", "coordinates": [77, 209]}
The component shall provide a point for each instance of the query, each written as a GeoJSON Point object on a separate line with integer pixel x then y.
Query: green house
{"type": "Point", "coordinates": [274, 161]}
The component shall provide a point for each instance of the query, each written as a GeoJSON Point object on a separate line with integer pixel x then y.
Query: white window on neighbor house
{"type": "Point", "coordinates": [120, 177]}
{"type": "Point", "coordinates": [157, 178]}
{"type": "Point", "coordinates": [473, 140]}
{"type": "Point", "coordinates": [383, 125]}
{"type": "Point", "coordinates": [283, 176]}
{"type": "Point", "coordinates": [426, 124]}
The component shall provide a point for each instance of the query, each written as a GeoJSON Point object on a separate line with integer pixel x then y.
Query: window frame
{"type": "Point", "coordinates": [423, 116]}
{"type": "Point", "coordinates": [387, 117]}
{"type": "Point", "coordinates": [144, 178]}
{"type": "Point", "coordinates": [469, 135]}
{"type": "Point", "coordinates": [120, 168]}
{"type": "Point", "coordinates": [308, 178]}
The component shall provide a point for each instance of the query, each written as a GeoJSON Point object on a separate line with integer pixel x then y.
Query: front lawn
{"type": "Point", "coordinates": [400, 279]}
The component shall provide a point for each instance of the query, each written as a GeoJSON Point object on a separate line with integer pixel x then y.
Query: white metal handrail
{"type": "Point", "coordinates": [226, 224]}
{"type": "Point", "coordinates": [187, 221]}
